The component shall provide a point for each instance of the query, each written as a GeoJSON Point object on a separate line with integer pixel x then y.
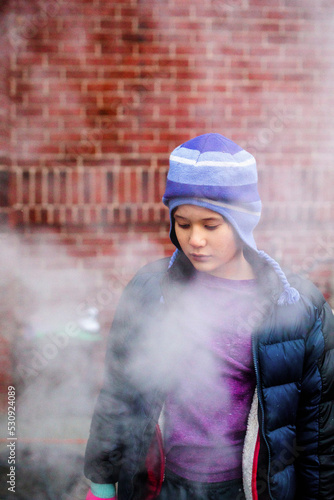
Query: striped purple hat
{"type": "Point", "coordinates": [212, 171]}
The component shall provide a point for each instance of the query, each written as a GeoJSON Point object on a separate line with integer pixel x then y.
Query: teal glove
{"type": "Point", "coordinates": [101, 492]}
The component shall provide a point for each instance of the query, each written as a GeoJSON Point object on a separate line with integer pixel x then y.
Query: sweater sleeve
{"type": "Point", "coordinates": [326, 407]}
{"type": "Point", "coordinates": [112, 415]}
{"type": "Point", "coordinates": [315, 433]}
{"type": "Point", "coordinates": [120, 412]}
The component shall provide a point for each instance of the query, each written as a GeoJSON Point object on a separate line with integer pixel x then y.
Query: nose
{"type": "Point", "coordinates": [196, 238]}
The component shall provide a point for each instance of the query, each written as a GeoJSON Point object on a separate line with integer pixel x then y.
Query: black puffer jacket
{"type": "Point", "coordinates": [289, 445]}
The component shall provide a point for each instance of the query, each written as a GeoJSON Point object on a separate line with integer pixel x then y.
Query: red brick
{"type": "Point", "coordinates": [30, 135]}
{"type": "Point", "coordinates": [42, 99]}
{"type": "Point", "coordinates": [30, 111]}
{"type": "Point", "coordinates": [29, 60]}
{"type": "Point", "coordinates": [134, 186]}
{"type": "Point", "coordinates": [154, 148]}
{"type": "Point", "coordinates": [138, 136]}
{"type": "Point", "coordinates": [67, 86]}
{"type": "Point", "coordinates": [37, 148]}
{"type": "Point", "coordinates": [62, 180]}
{"type": "Point", "coordinates": [81, 74]}
{"type": "Point", "coordinates": [61, 111]}
{"type": "Point", "coordinates": [167, 110]}
{"type": "Point", "coordinates": [102, 86]}
{"type": "Point", "coordinates": [45, 48]}
{"type": "Point", "coordinates": [75, 180]}
{"type": "Point", "coordinates": [126, 161]}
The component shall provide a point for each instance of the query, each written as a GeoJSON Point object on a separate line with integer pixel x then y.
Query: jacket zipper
{"type": "Point", "coordinates": [261, 405]}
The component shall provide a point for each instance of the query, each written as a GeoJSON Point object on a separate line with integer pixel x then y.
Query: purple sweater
{"type": "Point", "coordinates": [206, 416]}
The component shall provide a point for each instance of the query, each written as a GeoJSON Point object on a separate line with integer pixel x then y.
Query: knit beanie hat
{"type": "Point", "coordinates": [213, 172]}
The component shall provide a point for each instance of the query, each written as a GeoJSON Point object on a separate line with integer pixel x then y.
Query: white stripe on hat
{"type": "Point", "coordinates": [229, 206]}
{"type": "Point", "coordinates": [187, 161]}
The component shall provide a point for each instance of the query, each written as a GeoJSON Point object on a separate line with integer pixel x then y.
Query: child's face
{"type": "Point", "coordinates": [210, 243]}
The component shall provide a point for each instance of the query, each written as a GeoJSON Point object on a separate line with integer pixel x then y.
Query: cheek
{"type": "Point", "coordinates": [225, 243]}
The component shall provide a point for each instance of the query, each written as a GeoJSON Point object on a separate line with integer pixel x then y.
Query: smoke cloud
{"type": "Point", "coordinates": [55, 314]}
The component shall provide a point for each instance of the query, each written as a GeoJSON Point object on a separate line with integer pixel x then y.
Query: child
{"type": "Point", "coordinates": [234, 362]}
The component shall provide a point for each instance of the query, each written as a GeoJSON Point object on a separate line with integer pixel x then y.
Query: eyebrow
{"type": "Point", "coordinates": [206, 218]}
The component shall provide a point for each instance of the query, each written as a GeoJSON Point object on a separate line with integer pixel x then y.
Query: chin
{"type": "Point", "coordinates": [202, 266]}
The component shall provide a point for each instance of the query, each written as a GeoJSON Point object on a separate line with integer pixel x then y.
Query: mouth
{"type": "Point", "coordinates": [199, 257]}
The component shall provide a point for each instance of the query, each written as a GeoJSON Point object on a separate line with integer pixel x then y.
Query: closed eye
{"type": "Point", "coordinates": [212, 228]}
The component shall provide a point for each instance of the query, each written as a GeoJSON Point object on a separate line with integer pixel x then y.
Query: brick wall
{"type": "Point", "coordinates": [4, 124]}
{"type": "Point", "coordinates": [100, 92]}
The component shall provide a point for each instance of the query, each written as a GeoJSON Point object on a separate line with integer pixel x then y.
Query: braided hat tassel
{"type": "Point", "coordinates": [289, 295]}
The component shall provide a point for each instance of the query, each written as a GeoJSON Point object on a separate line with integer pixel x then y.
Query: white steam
{"type": "Point", "coordinates": [55, 314]}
